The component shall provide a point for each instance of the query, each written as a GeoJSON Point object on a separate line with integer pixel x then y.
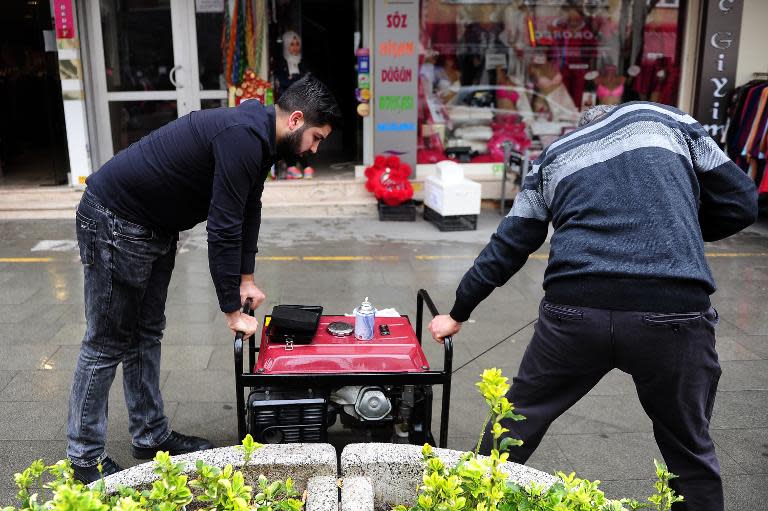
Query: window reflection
{"type": "Point", "coordinates": [138, 47]}
{"type": "Point", "coordinates": [212, 103]}
{"type": "Point", "coordinates": [209, 57]}
{"type": "Point", "coordinates": [522, 71]}
{"type": "Point", "coordinates": [131, 120]}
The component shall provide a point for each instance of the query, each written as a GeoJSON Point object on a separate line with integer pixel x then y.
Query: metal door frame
{"type": "Point", "coordinates": [187, 94]}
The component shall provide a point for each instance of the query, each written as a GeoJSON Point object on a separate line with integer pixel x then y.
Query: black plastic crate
{"type": "Point", "coordinates": [405, 212]}
{"type": "Point", "coordinates": [451, 222]}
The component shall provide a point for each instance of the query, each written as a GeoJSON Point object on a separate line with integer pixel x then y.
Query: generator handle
{"type": "Point", "coordinates": [423, 297]}
{"type": "Point", "coordinates": [239, 336]}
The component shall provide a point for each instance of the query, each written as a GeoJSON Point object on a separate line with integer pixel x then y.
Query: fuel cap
{"type": "Point", "coordinates": [340, 328]}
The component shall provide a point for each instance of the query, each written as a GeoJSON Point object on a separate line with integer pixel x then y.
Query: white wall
{"type": "Point", "coordinates": [753, 45]}
{"type": "Point", "coordinates": [71, 73]}
{"type": "Point", "coordinates": [689, 58]}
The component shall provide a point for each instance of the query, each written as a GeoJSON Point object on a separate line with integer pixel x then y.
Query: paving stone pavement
{"type": "Point", "coordinates": [605, 436]}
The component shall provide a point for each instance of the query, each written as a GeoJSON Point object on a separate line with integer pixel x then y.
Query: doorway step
{"type": "Point", "coordinates": [318, 198]}
{"type": "Point", "coordinates": [35, 202]}
{"type": "Point", "coordinates": [282, 199]}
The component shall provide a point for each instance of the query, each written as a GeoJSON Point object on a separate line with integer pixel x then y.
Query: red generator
{"type": "Point", "coordinates": [295, 392]}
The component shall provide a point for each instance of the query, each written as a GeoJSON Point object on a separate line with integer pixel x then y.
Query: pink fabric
{"type": "Point", "coordinates": [604, 92]}
{"type": "Point", "coordinates": [508, 94]}
{"type": "Point", "coordinates": [764, 183]}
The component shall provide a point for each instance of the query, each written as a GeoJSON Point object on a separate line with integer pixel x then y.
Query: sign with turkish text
{"type": "Point", "coordinates": [396, 79]}
{"type": "Point", "coordinates": [363, 91]}
{"type": "Point", "coordinates": [64, 18]}
{"type": "Point", "coordinates": [717, 66]}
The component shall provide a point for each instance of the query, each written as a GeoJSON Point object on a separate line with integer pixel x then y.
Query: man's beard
{"type": "Point", "coordinates": [289, 148]}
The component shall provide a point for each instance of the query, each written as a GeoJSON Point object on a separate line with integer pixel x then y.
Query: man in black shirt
{"type": "Point", "coordinates": [208, 165]}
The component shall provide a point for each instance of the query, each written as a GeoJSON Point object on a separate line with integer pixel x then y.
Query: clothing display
{"type": "Point", "coordinates": [552, 86]}
{"type": "Point", "coordinates": [239, 42]}
{"type": "Point", "coordinates": [658, 80]}
{"type": "Point", "coordinates": [539, 64]}
{"type": "Point", "coordinates": [576, 46]}
{"type": "Point", "coordinates": [479, 43]}
{"type": "Point", "coordinates": [515, 37]}
{"type": "Point", "coordinates": [610, 86]}
{"type": "Point", "coordinates": [560, 96]}
{"type": "Point", "coordinates": [604, 92]}
{"type": "Point", "coordinates": [746, 135]}
{"type": "Point", "coordinates": [507, 95]}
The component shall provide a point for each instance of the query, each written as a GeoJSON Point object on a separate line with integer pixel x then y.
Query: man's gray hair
{"type": "Point", "coordinates": [594, 113]}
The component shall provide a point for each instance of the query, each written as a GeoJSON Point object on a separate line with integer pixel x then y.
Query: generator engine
{"type": "Point", "coordinates": [398, 414]}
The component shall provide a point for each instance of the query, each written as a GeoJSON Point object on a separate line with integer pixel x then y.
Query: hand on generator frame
{"type": "Point", "coordinates": [248, 290]}
{"type": "Point", "coordinates": [443, 326]}
{"type": "Point", "coordinates": [238, 321]}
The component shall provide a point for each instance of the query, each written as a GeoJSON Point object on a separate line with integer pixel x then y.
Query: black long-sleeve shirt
{"type": "Point", "coordinates": [210, 164]}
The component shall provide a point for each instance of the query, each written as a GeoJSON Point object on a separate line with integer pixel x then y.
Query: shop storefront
{"type": "Point", "coordinates": [523, 70]}
{"type": "Point", "coordinates": [485, 71]}
{"type": "Point", "coordinates": [424, 79]}
{"type": "Point", "coordinates": [151, 61]}
{"type": "Point", "coordinates": [32, 133]}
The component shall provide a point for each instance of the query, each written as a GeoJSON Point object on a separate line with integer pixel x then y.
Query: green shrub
{"type": "Point", "coordinates": [212, 489]}
{"type": "Point", "coordinates": [478, 484]}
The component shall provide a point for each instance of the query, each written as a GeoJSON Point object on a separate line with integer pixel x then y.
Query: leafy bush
{"type": "Point", "coordinates": [477, 483]}
{"type": "Point", "coordinates": [213, 489]}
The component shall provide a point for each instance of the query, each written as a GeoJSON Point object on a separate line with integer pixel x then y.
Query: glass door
{"type": "Point", "coordinates": [149, 68]}
{"type": "Point", "coordinates": [206, 22]}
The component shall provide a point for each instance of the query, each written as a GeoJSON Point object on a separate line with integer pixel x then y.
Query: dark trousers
{"type": "Point", "coordinates": [674, 365]}
{"type": "Point", "coordinates": [127, 270]}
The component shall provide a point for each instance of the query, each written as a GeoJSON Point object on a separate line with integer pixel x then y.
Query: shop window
{"type": "Point", "coordinates": [522, 71]}
{"type": "Point", "coordinates": [131, 120]}
{"type": "Point", "coordinates": [136, 59]}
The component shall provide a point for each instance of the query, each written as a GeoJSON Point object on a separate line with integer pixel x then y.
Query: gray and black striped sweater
{"type": "Point", "coordinates": [632, 197]}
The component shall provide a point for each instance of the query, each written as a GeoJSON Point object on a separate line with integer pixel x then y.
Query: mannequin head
{"type": "Point", "coordinates": [609, 71]}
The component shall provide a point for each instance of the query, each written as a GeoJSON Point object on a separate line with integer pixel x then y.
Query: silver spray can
{"type": "Point", "coordinates": [365, 317]}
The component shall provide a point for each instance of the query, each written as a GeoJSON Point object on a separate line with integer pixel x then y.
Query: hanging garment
{"type": "Point", "coordinates": [757, 131]}
{"type": "Point", "coordinates": [744, 122]}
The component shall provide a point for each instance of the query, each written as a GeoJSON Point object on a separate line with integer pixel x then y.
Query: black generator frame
{"type": "Point", "coordinates": [245, 380]}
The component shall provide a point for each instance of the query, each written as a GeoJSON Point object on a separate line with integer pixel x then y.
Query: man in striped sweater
{"type": "Point", "coordinates": [632, 195]}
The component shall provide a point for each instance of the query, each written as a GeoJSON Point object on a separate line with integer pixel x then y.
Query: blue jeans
{"type": "Point", "coordinates": [127, 271]}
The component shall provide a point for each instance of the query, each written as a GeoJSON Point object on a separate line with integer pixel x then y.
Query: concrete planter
{"type": "Point", "coordinates": [313, 467]}
{"type": "Point", "coordinates": [394, 472]}
{"type": "Point", "coordinates": [373, 476]}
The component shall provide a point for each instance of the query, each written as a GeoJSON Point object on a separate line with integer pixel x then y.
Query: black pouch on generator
{"type": "Point", "coordinates": [295, 323]}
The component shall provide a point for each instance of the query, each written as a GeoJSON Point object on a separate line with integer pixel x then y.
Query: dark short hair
{"type": "Point", "coordinates": [311, 97]}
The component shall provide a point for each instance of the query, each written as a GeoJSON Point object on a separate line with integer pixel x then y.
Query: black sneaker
{"type": "Point", "coordinates": [87, 475]}
{"type": "Point", "coordinates": [175, 444]}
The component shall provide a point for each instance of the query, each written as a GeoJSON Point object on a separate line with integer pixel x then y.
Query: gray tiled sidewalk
{"type": "Point", "coordinates": [605, 436]}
